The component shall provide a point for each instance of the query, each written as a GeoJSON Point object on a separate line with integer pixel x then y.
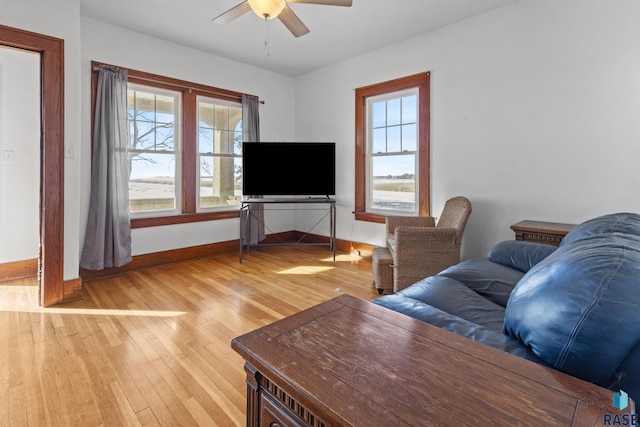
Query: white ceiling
{"type": "Point", "coordinates": [337, 33]}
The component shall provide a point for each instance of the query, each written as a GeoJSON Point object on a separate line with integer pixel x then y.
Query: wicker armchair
{"type": "Point", "coordinates": [420, 248]}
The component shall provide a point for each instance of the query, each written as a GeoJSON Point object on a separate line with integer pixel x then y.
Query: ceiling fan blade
{"type": "Point", "coordinates": [233, 13]}
{"type": "Point", "coordinates": [292, 22]}
{"type": "Point", "coordinates": [325, 2]}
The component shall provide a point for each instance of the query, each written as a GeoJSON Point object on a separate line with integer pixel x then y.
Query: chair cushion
{"type": "Point", "coordinates": [391, 243]}
{"type": "Point", "coordinates": [579, 308]}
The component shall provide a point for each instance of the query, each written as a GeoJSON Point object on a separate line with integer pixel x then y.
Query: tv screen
{"type": "Point", "coordinates": [288, 168]}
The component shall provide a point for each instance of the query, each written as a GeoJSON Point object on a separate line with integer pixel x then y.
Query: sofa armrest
{"type": "Point", "coordinates": [394, 221]}
{"type": "Point", "coordinates": [519, 255]}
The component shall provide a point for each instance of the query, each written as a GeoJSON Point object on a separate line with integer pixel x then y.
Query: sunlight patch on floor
{"type": "Point", "coordinates": [306, 269]}
{"type": "Point", "coordinates": [24, 299]}
{"type": "Point", "coordinates": [111, 312]}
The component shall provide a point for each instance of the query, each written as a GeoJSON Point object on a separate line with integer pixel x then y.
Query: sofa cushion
{"type": "Point", "coordinates": [456, 299]}
{"type": "Point", "coordinates": [489, 279]}
{"type": "Point", "coordinates": [519, 255]}
{"type": "Point", "coordinates": [579, 308]}
{"type": "Point", "coordinates": [434, 316]}
{"type": "Point", "coordinates": [623, 222]}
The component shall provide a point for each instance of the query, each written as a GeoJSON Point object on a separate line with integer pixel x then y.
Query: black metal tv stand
{"type": "Point", "coordinates": [246, 214]}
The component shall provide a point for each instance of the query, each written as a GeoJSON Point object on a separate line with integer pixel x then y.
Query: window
{"type": "Point", "coordinates": [154, 150]}
{"type": "Point", "coordinates": [392, 149]}
{"type": "Point", "coordinates": [219, 153]}
{"type": "Point", "coordinates": [185, 150]}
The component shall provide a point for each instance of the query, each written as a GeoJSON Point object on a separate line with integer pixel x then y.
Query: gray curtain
{"type": "Point", "coordinates": [251, 133]}
{"type": "Point", "coordinates": [108, 238]}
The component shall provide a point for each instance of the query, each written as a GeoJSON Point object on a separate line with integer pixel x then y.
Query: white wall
{"type": "Point", "coordinates": [61, 19]}
{"type": "Point", "coordinates": [534, 114]}
{"type": "Point", "coordinates": [117, 46]}
{"type": "Point", "coordinates": [20, 155]}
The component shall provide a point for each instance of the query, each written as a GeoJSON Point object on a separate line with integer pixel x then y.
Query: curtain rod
{"type": "Point", "coordinates": [99, 67]}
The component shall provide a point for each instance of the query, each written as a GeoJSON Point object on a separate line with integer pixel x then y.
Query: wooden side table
{"type": "Point", "coordinates": [550, 233]}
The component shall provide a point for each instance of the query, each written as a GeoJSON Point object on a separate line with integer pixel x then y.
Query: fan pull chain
{"type": "Point", "coordinates": [266, 35]}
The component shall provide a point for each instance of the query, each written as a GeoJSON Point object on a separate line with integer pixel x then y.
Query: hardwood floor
{"type": "Point", "coordinates": [153, 347]}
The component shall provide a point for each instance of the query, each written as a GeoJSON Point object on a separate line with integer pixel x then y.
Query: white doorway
{"type": "Point", "coordinates": [20, 160]}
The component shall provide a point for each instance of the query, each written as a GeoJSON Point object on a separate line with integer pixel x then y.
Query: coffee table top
{"type": "Point", "coordinates": [352, 362]}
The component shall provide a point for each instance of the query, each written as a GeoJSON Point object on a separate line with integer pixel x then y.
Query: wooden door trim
{"type": "Point", "coordinates": [51, 50]}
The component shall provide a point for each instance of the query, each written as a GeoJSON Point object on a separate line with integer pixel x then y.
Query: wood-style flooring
{"type": "Point", "coordinates": [152, 347]}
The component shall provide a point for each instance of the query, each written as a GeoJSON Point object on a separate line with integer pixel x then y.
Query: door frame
{"type": "Point", "coordinates": [51, 252]}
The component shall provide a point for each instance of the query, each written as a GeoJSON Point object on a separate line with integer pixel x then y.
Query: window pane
{"type": "Point", "coordinates": [379, 140]}
{"type": "Point", "coordinates": [409, 137]}
{"type": "Point", "coordinates": [409, 107]}
{"type": "Point", "coordinates": [379, 114]}
{"type": "Point", "coordinates": [224, 142]}
{"type": "Point", "coordinates": [205, 140]}
{"type": "Point", "coordinates": [142, 135]}
{"type": "Point", "coordinates": [221, 117]}
{"type": "Point", "coordinates": [205, 111]}
{"type": "Point", "coordinates": [237, 140]}
{"type": "Point", "coordinates": [393, 139]}
{"type": "Point", "coordinates": [393, 112]}
{"type": "Point", "coordinates": [220, 150]}
{"type": "Point", "coordinates": [164, 137]}
{"type": "Point", "coordinates": [152, 120]}
{"type": "Point", "coordinates": [220, 181]}
{"type": "Point", "coordinates": [152, 183]}
{"type": "Point", "coordinates": [152, 126]}
{"type": "Point", "coordinates": [165, 109]}
{"type": "Point", "coordinates": [393, 183]}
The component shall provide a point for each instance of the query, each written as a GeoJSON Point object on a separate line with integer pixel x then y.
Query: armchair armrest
{"type": "Point", "coordinates": [394, 221]}
{"type": "Point", "coordinates": [420, 252]}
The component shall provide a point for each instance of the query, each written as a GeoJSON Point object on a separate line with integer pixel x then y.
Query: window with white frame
{"type": "Point", "coordinates": [154, 150]}
{"type": "Point", "coordinates": [392, 148]}
{"type": "Point", "coordinates": [219, 153]}
{"type": "Point", "coordinates": [392, 152]}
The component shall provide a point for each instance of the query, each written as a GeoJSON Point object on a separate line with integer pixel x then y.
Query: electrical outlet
{"type": "Point", "coordinates": [8, 156]}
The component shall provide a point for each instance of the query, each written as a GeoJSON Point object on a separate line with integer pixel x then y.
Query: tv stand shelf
{"type": "Point", "coordinates": [247, 211]}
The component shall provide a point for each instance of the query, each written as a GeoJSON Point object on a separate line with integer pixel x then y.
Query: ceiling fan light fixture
{"type": "Point", "coordinates": [267, 9]}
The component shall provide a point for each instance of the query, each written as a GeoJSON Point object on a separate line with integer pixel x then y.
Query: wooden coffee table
{"type": "Point", "coordinates": [350, 362]}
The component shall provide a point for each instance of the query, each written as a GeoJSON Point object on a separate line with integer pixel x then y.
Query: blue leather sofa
{"type": "Point", "coordinates": [575, 308]}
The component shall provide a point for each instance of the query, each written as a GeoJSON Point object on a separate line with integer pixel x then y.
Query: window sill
{"type": "Point", "coordinates": [182, 218]}
{"type": "Point", "coordinates": [370, 217]}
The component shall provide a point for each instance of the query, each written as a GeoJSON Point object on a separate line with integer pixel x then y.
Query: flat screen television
{"type": "Point", "coordinates": [288, 169]}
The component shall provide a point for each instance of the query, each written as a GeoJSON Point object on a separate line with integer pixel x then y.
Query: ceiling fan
{"type": "Point", "coordinates": [269, 9]}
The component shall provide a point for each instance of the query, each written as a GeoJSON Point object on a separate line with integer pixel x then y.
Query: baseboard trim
{"type": "Point", "coordinates": [18, 269]}
{"type": "Point", "coordinates": [156, 259]}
